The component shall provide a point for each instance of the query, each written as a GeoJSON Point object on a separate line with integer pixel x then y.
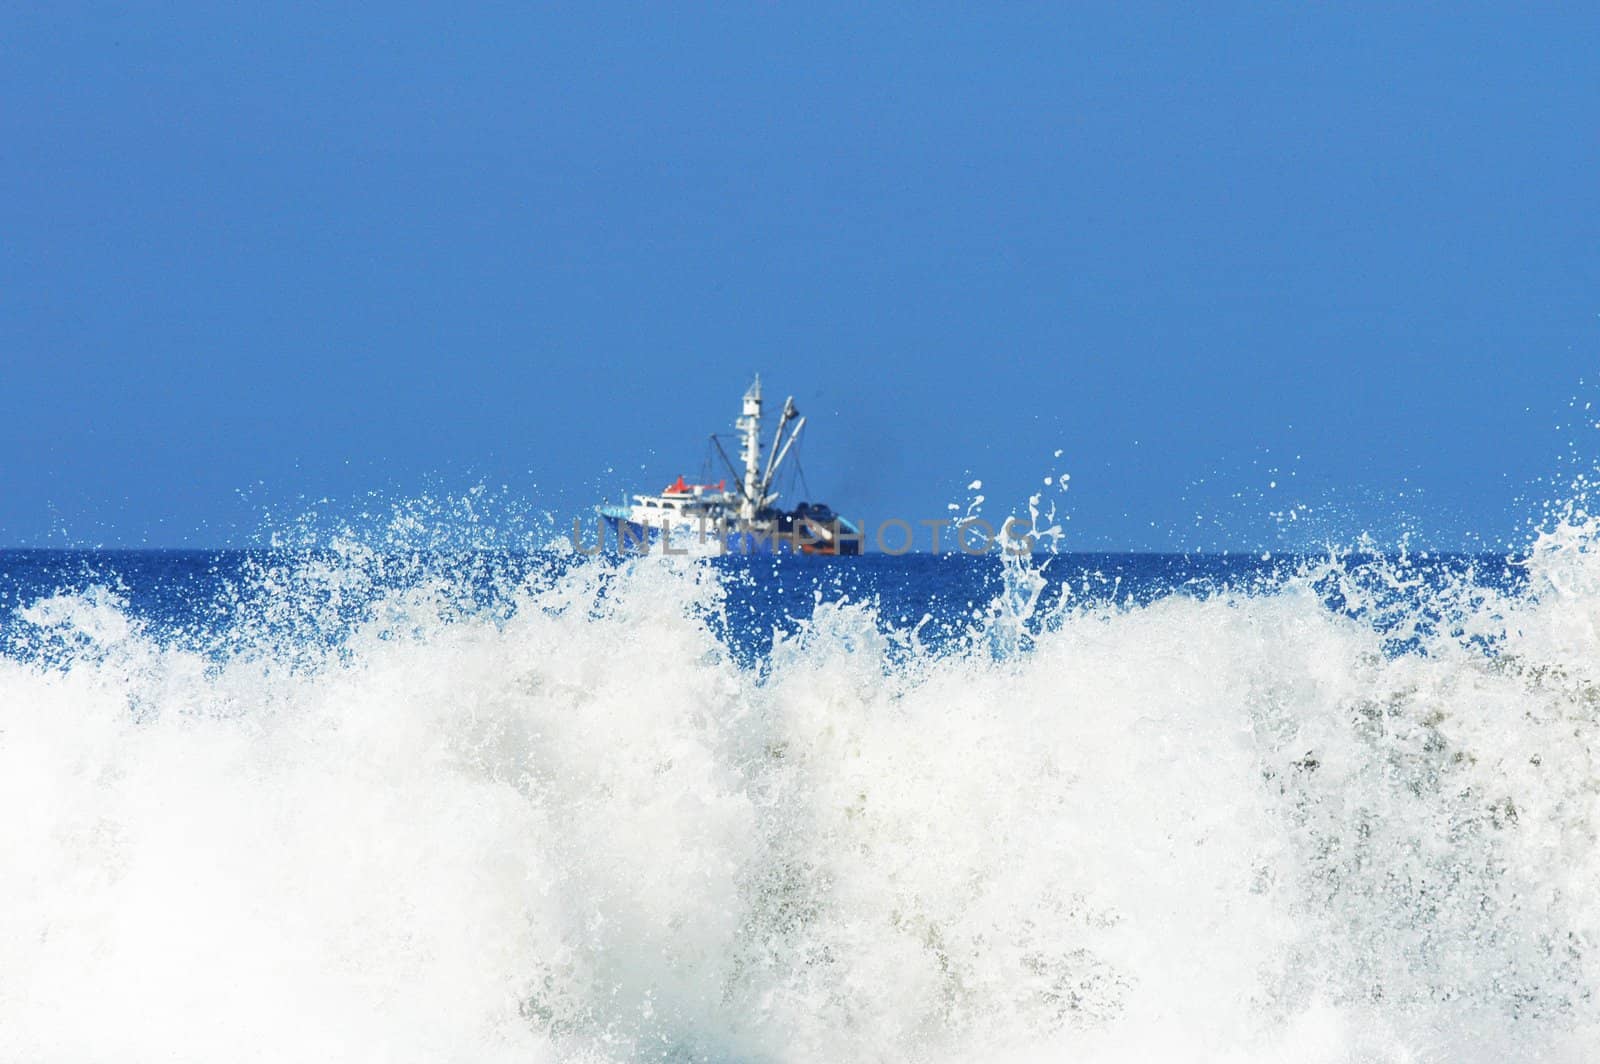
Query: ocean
{"type": "Point", "coordinates": [363, 803]}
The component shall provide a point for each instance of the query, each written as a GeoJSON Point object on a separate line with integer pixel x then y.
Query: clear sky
{"type": "Point", "coordinates": [257, 255]}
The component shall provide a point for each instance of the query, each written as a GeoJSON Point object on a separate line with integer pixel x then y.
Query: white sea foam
{"type": "Point", "coordinates": [1220, 828]}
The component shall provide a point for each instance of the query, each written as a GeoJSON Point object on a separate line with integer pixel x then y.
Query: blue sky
{"type": "Point", "coordinates": [256, 256]}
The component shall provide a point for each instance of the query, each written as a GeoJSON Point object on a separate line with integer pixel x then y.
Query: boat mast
{"type": "Point", "coordinates": [780, 447]}
{"type": "Point", "coordinates": [777, 458]}
{"type": "Point", "coordinates": [777, 438]}
{"type": "Point", "coordinates": [749, 427]}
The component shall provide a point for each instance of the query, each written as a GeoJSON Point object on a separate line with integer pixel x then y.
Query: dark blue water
{"type": "Point", "coordinates": [204, 599]}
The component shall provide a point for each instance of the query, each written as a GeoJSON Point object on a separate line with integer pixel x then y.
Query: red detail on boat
{"type": "Point", "coordinates": [683, 487]}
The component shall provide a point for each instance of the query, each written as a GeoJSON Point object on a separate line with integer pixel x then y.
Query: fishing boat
{"type": "Point", "coordinates": [744, 518]}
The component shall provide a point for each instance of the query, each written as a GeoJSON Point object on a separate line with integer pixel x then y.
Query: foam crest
{"type": "Point", "coordinates": [382, 817]}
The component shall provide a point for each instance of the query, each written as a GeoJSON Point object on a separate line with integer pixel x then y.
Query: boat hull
{"type": "Point", "coordinates": [783, 535]}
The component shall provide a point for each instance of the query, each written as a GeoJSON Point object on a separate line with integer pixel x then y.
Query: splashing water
{"type": "Point", "coordinates": [470, 808]}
